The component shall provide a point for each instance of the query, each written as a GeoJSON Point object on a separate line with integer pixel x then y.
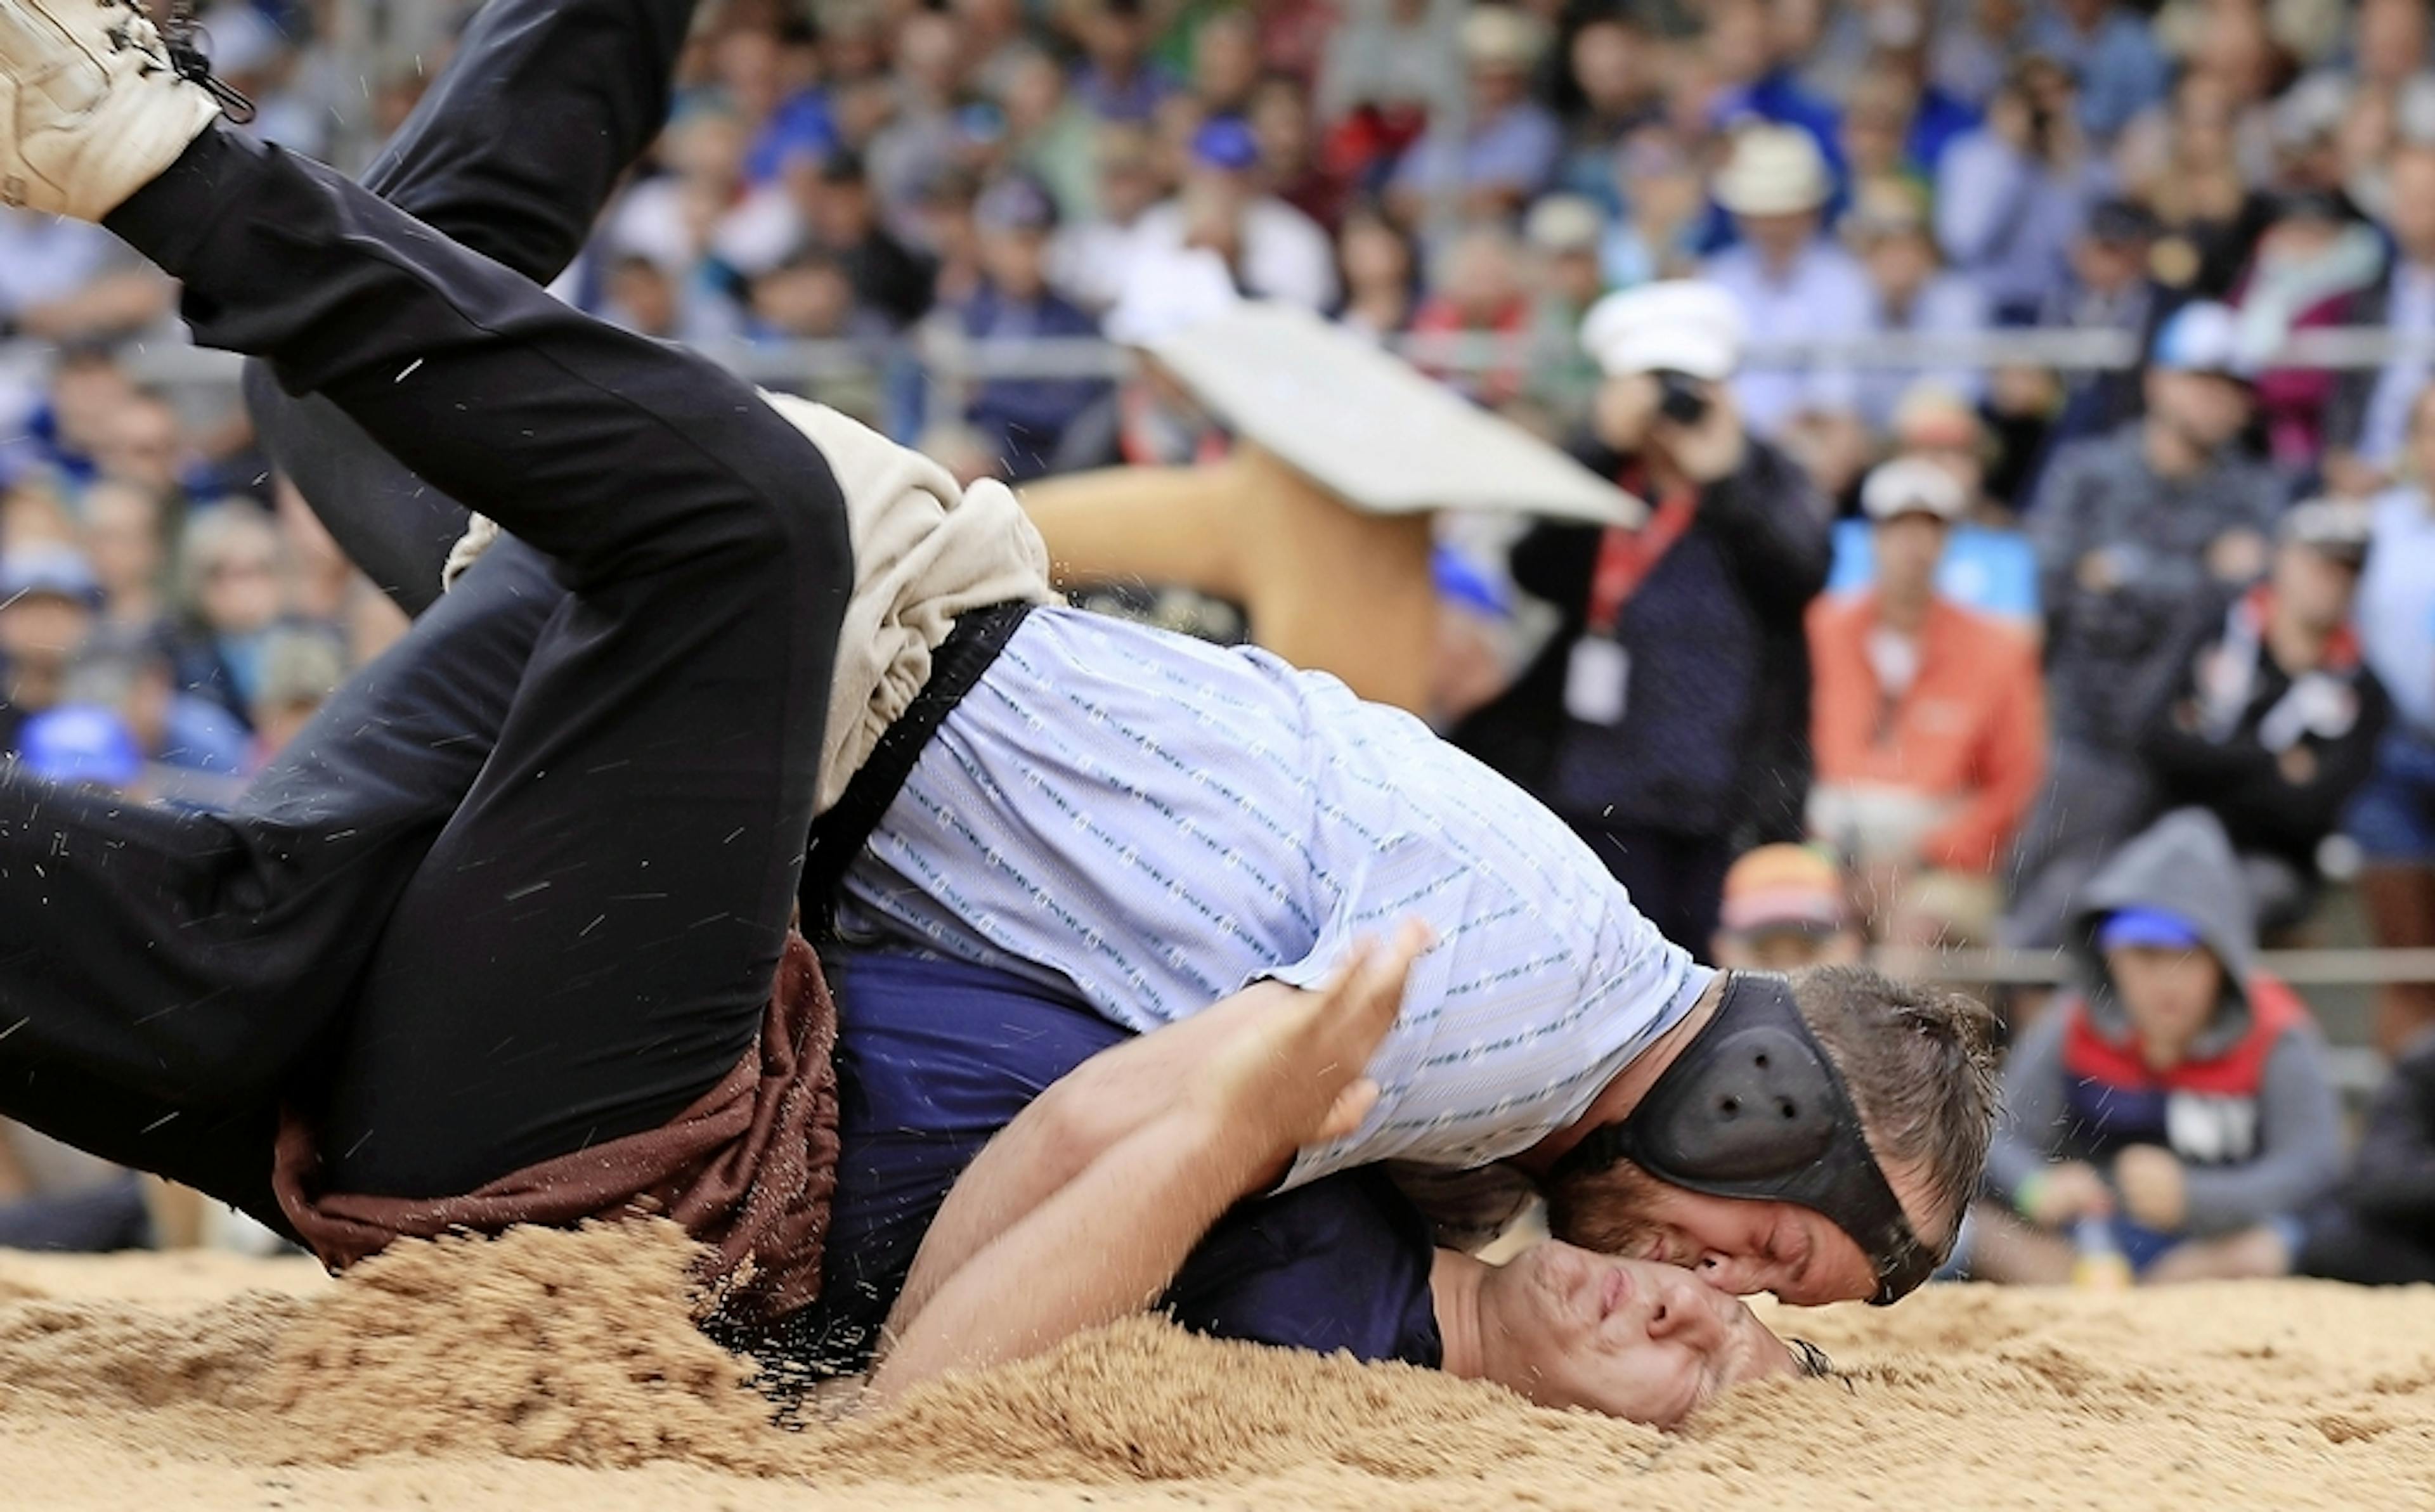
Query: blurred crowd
{"type": "Point", "coordinates": [1935, 653]}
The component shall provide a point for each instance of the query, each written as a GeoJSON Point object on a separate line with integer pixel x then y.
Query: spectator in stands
{"type": "Point", "coordinates": [47, 601]}
{"type": "Point", "coordinates": [1562, 232]}
{"type": "Point", "coordinates": [1152, 420]}
{"type": "Point", "coordinates": [2109, 289]}
{"type": "Point", "coordinates": [65, 280]}
{"type": "Point", "coordinates": [1471, 333]}
{"type": "Point", "coordinates": [196, 753]}
{"type": "Point", "coordinates": [2379, 1227]}
{"type": "Point", "coordinates": [2113, 52]}
{"type": "Point", "coordinates": [1790, 280]}
{"type": "Point", "coordinates": [1118, 80]}
{"type": "Point", "coordinates": [2183, 162]}
{"type": "Point", "coordinates": [1049, 136]}
{"type": "Point", "coordinates": [1382, 275]}
{"type": "Point", "coordinates": [1090, 260]}
{"type": "Point", "coordinates": [231, 598]}
{"type": "Point", "coordinates": [1668, 719]}
{"type": "Point", "coordinates": [1664, 203]}
{"type": "Point", "coordinates": [142, 444]}
{"type": "Point", "coordinates": [1938, 426]}
{"type": "Point", "coordinates": [302, 665]}
{"type": "Point", "coordinates": [2273, 720]}
{"type": "Point", "coordinates": [1273, 250]}
{"type": "Point", "coordinates": [2012, 196]}
{"type": "Point", "coordinates": [1025, 417]}
{"type": "Point", "coordinates": [918, 141]}
{"type": "Point", "coordinates": [126, 540]}
{"type": "Point", "coordinates": [2129, 528]}
{"type": "Point", "coordinates": [1784, 910]}
{"type": "Point", "coordinates": [2312, 260]}
{"type": "Point", "coordinates": [1613, 84]}
{"type": "Point", "coordinates": [1929, 723]}
{"type": "Point", "coordinates": [843, 220]}
{"type": "Point", "coordinates": [2381, 89]}
{"type": "Point", "coordinates": [1385, 66]}
{"type": "Point", "coordinates": [1745, 47]}
{"type": "Point", "coordinates": [2368, 424]}
{"type": "Point", "coordinates": [2176, 1101]}
{"type": "Point", "coordinates": [1289, 153]}
{"type": "Point", "coordinates": [1508, 145]}
{"type": "Point", "coordinates": [1226, 61]}
{"type": "Point", "coordinates": [638, 295]}
{"type": "Point", "coordinates": [809, 297]}
{"type": "Point", "coordinates": [59, 1199]}
{"type": "Point", "coordinates": [2394, 818]}
{"type": "Point", "coordinates": [1911, 294]}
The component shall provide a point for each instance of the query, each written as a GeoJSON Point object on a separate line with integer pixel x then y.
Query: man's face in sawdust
{"type": "Point", "coordinates": [1568, 1328]}
{"type": "Point", "coordinates": [1735, 1245]}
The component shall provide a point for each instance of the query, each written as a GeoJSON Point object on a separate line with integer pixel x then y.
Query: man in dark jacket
{"type": "Point", "coordinates": [2274, 717]}
{"type": "Point", "coordinates": [2130, 528]}
{"type": "Point", "coordinates": [1668, 721]}
{"type": "Point", "coordinates": [2379, 1228]}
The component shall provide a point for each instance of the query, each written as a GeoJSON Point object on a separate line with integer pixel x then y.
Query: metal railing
{"type": "Point", "coordinates": [948, 356]}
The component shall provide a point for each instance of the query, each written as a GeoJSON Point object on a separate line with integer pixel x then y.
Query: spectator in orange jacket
{"type": "Point", "coordinates": [1930, 724]}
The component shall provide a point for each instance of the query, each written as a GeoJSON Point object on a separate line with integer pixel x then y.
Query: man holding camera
{"type": "Point", "coordinates": [1668, 719]}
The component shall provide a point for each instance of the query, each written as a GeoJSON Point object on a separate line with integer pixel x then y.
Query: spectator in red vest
{"type": "Point", "coordinates": [1929, 723]}
{"type": "Point", "coordinates": [2174, 1113]}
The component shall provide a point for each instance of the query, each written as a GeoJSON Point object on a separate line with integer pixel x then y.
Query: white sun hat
{"type": "Point", "coordinates": [1774, 170]}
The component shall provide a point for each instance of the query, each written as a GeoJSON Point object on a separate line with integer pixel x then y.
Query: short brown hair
{"type": "Point", "coordinates": [1920, 1062]}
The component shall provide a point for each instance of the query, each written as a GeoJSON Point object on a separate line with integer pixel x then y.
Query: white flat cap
{"type": "Point", "coordinates": [1674, 325]}
{"type": "Point", "coordinates": [1913, 485]}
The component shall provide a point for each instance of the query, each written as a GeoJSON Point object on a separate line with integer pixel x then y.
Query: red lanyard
{"type": "Point", "coordinates": [1626, 557]}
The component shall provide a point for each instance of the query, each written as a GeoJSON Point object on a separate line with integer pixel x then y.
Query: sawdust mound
{"type": "Point", "coordinates": [575, 1346]}
{"type": "Point", "coordinates": [549, 1369]}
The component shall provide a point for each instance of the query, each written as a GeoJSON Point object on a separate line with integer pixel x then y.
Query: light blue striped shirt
{"type": "Point", "coordinates": [1157, 823]}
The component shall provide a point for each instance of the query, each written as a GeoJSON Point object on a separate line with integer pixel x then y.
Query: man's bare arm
{"type": "Point", "coordinates": [1104, 1241]}
{"type": "Point", "coordinates": [1081, 1117]}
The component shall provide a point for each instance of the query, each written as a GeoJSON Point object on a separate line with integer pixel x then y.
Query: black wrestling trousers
{"type": "Point", "coordinates": [586, 940]}
{"type": "Point", "coordinates": [511, 154]}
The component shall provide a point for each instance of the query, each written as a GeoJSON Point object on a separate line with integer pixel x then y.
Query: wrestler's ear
{"type": "Point", "coordinates": [1345, 1114]}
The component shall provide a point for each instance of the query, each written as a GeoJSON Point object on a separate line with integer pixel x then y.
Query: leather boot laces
{"type": "Point", "coordinates": [181, 34]}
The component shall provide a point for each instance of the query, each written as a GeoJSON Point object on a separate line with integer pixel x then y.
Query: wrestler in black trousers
{"type": "Point", "coordinates": [521, 888]}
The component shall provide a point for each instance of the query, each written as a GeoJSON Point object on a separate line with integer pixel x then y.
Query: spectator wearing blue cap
{"type": "Point", "coordinates": [1025, 417]}
{"type": "Point", "coordinates": [2130, 528]}
{"type": "Point", "coordinates": [1273, 250]}
{"type": "Point", "coordinates": [47, 602]}
{"type": "Point", "coordinates": [2174, 1105]}
{"type": "Point", "coordinates": [81, 745]}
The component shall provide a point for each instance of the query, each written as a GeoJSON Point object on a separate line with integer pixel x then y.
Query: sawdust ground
{"type": "Point", "coordinates": [558, 1369]}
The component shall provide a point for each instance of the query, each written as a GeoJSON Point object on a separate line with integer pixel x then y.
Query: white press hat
{"type": "Point", "coordinates": [1674, 325]}
{"type": "Point", "coordinates": [1913, 485]}
{"type": "Point", "coordinates": [1775, 170]}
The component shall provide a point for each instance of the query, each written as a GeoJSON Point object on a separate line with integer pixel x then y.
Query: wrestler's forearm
{"type": "Point", "coordinates": [1104, 1245]}
{"type": "Point", "coordinates": [1079, 1119]}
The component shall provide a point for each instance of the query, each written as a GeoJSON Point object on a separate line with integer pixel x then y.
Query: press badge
{"type": "Point", "coordinates": [1597, 680]}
